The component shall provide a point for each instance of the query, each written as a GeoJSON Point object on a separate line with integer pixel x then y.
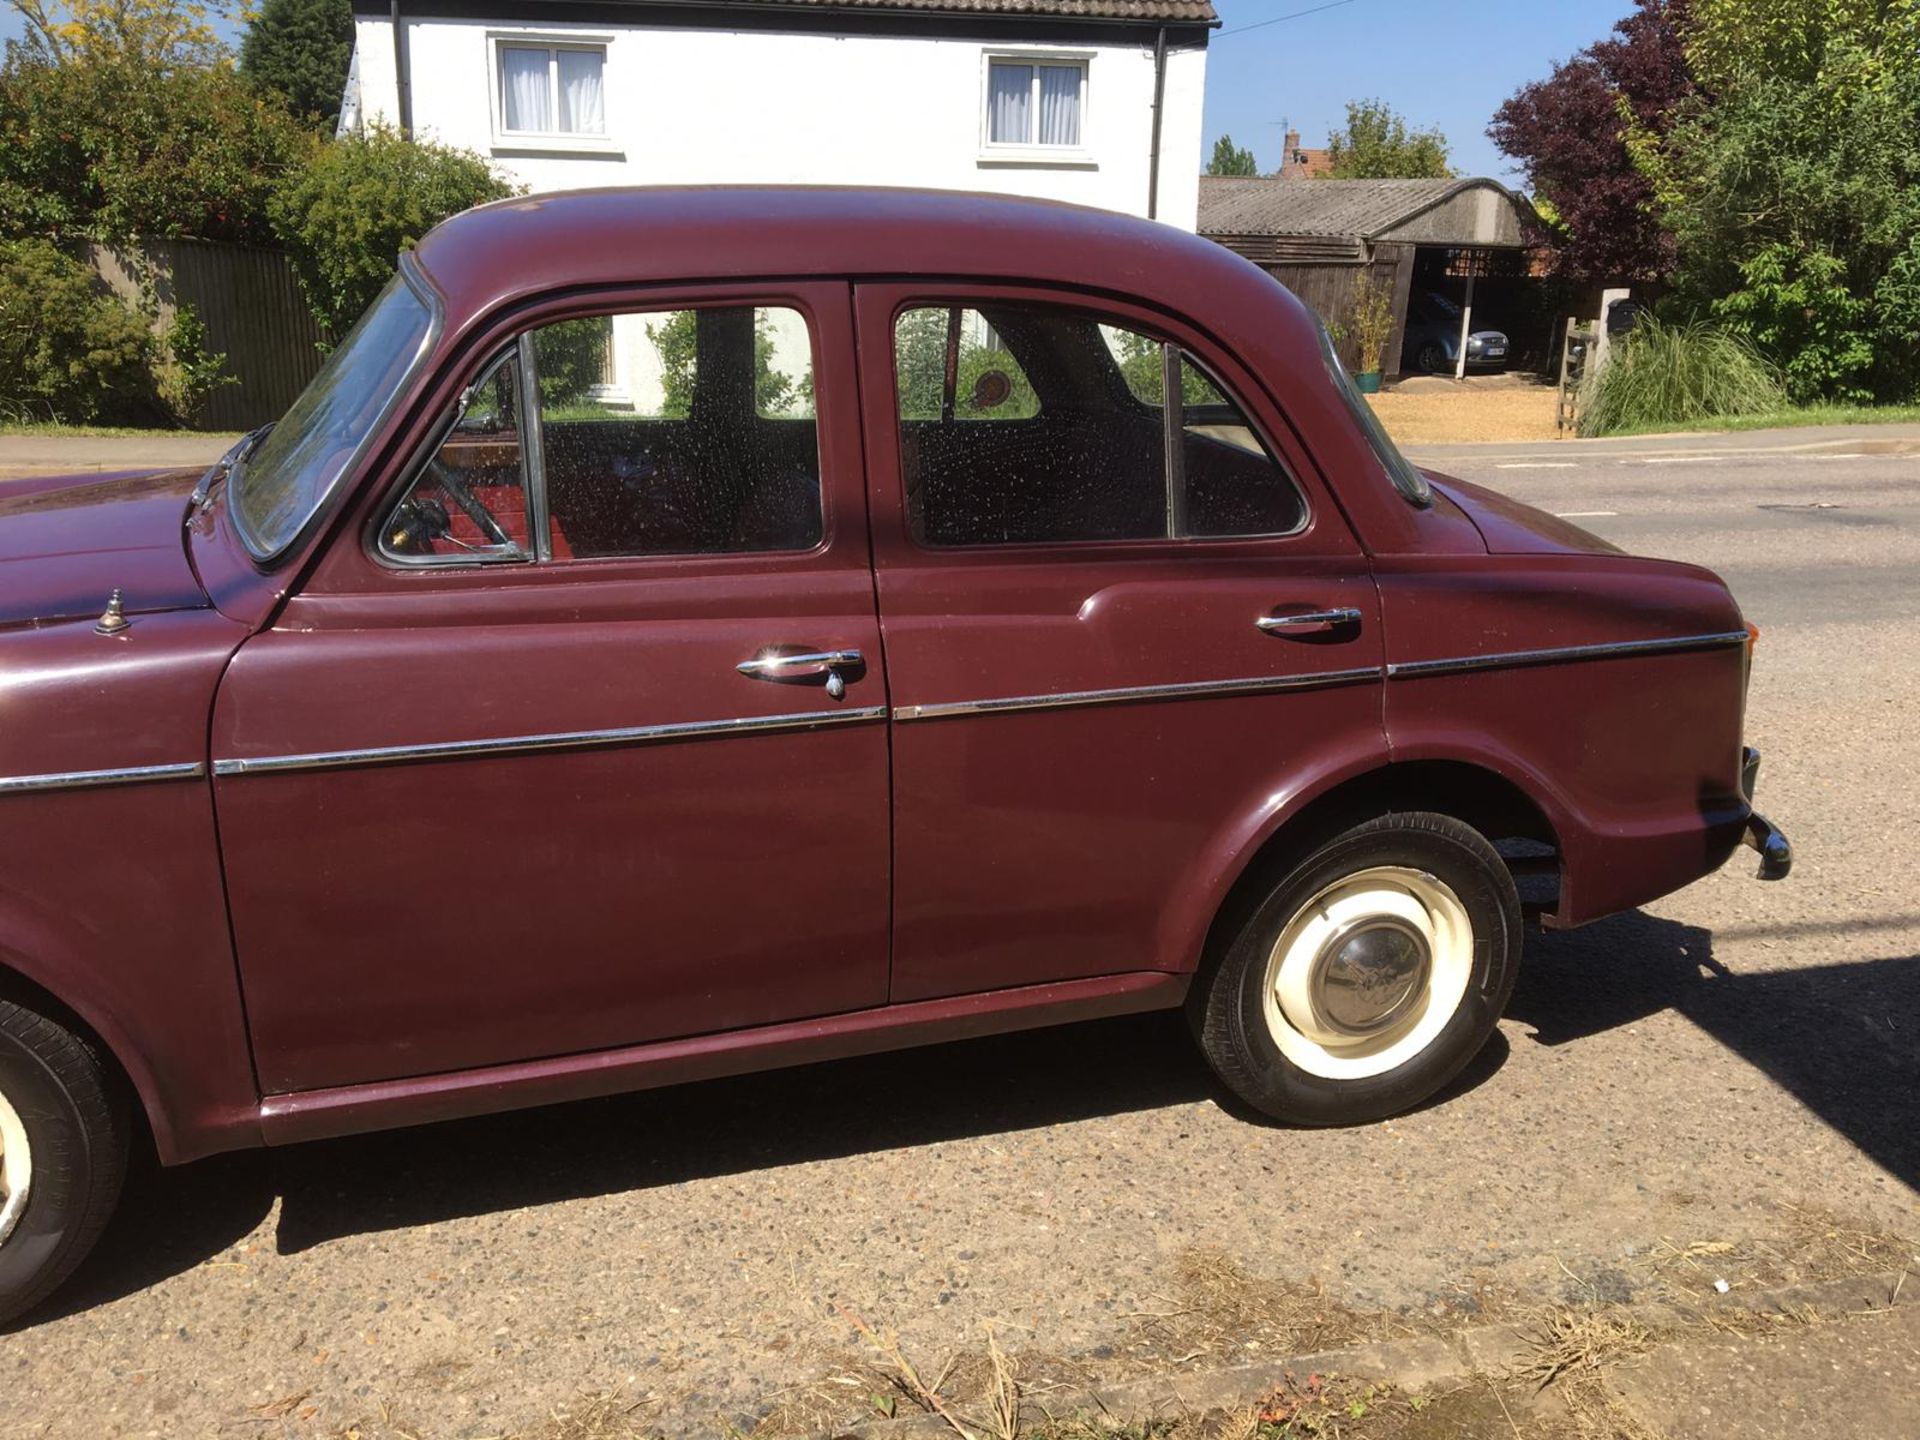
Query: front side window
{"type": "Point", "coordinates": [650, 433]}
{"type": "Point", "coordinates": [1036, 103]}
{"type": "Point", "coordinates": [1032, 424]}
{"type": "Point", "coordinates": [552, 89]}
{"type": "Point", "coordinates": [278, 488]}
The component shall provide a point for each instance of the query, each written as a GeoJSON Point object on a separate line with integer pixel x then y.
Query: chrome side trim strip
{"type": "Point", "coordinates": [90, 779]}
{"type": "Point", "coordinates": [564, 740]}
{"type": "Point", "coordinates": [1192, 690]}
{"type": "Point", "coordinates": [1559, 655]}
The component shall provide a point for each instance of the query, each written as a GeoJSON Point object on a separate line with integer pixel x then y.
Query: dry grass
{"type": "Point", "coordinates": [1812, 1245]}
{"type": "Point", "coordinates": [1468, 414]}
{"type": "Point", "coordinates": [596, 1417]}
{"type": "Point", "coordinates": [1220, 1312]}
{"type": "Point", "coordinates": [1570, 1342]}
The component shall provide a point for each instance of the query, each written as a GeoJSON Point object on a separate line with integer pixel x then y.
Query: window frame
{"type": "Point", "coordinates": [506, 141]}
{"type": "Point", "coordinates": [515, 352]}
{"type": "Point", "coordinates": [1034, 151]}
{"type": "Point", "coordinates": [518, 344]}
{"type": "Point", "coordinates": [1174, 351]}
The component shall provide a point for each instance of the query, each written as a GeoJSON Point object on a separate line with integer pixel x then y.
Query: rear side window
{"type": "Point", "coordinates": [1031, 424]}
{"type": "Point", "coordinates": [678, 432]}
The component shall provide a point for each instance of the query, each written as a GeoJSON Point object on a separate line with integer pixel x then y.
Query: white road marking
{"type": "Point", "coordinates": [1536, 465]}
{"type": "Point", "coordinates": [1670, 459]}
{"type": "Point", "coordinates": [1584, 514]}
{"type": "Point", "coordinates": [1851, 455]}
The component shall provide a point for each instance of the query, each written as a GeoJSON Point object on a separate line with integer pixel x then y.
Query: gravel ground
{"type": "Point", "coordinates": [1439, 412]}
{"type": "Point", "coordinates": [1672, 1077]}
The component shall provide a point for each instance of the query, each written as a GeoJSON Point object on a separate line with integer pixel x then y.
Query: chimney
{"type": "Point", "coordinates": [1292, 163]}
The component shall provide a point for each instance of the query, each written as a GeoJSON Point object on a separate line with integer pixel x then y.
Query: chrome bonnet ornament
{"type": "Point", "coordinates": [114, 618]}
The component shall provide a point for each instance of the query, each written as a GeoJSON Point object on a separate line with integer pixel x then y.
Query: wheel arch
{"type": "Point", "coordinates": [1494, 803]}
{"type": "Point", "coordinates": [31, 977]}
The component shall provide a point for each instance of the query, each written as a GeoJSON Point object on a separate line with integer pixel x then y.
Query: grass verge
{"type": "Point", "coordinates": [1795, 418]}
{"type": "Point", "coordinates": [48, 430]}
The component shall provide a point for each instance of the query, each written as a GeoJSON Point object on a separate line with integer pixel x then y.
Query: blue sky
{"type": "Point", "coordinates": [1437, 63]}
{"type": "Point", "coordinates": [1440, 64]}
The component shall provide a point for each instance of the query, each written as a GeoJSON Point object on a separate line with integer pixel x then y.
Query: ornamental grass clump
{"type": "Point", "coordinates": [1667, 377]}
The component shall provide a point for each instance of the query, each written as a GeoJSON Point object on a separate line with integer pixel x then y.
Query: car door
{"type": "Point", "coordinates": [1119, 634]}
{"type": "Point", "coordinates": [572, 745]}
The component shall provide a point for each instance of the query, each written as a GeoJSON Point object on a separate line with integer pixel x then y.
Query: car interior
{"type": "Point", "coordinates": [1061, 435]}
{"type": "Point", "coordinates": [1073, 447]}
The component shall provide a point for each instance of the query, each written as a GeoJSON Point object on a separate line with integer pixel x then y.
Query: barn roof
{"type": "Point", "coordinates": [1461, 212]}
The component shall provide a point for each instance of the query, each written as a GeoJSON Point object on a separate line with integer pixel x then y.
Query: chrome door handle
{"type": "Point", "coordinates": [1343, 616]}
{"type": "Point", "coordinates": [804, 666]}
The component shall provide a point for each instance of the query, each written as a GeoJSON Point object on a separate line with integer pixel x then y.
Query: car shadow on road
{"type": "Point", "coordinates": [172, 1220]}
{"type": "Point", "coordinates": [1843, 1040]}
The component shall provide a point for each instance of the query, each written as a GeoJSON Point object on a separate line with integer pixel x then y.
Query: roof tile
{"type": "Point", "coordinates": [1267, 205]}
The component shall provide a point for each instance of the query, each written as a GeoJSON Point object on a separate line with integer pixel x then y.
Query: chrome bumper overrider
{"type": "Point", "coordinates": [1776, 855]}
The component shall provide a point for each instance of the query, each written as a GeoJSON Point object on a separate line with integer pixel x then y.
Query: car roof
{"type": "Point", "coordinates": [516, 248]}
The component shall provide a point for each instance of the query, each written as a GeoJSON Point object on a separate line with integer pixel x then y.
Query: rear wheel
{"type": "Point", "coordinates": [63, 1154]}
{"type": "Point", "coordinates": [1368, 977]}
{"type": "Point", "coordinates": [1433, 359]}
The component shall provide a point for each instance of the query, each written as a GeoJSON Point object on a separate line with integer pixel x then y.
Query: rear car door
{"type": "Point", "coordinates": [1118, 632]}
{"type": "Point", "coordinates": [573, 745]}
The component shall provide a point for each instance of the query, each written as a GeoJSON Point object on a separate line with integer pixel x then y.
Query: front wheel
{"type": "Point", "coordinates": [1368, 977]}
{"type": "Point", "coordinates": [63, 1153]}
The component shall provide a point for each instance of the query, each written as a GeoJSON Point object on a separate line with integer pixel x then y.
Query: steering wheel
{"type": "Point", "coordinates": [470, 506]}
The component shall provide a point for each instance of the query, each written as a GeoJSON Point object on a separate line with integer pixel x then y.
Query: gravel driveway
{"type": "Point", "coordinates": [1671, 1077]}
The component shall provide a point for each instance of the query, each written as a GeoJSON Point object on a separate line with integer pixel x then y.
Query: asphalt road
{"type": "Point", "coordinates": [1667, 1078]}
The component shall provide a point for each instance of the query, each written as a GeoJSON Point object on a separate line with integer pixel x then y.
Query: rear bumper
{"type": "Point", "coordinates": [1762, 836]}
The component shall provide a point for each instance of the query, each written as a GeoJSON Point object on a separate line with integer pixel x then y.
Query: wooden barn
{"type": "Point", "coordinates": [1460, 240]}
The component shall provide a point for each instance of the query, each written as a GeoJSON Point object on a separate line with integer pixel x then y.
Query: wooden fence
{"type": "Point", "coordinates": [250, 306]}
{"type": "Point", "coordinates": [1328, 290]}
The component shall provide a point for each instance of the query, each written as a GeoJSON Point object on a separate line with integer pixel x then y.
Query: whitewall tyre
{"type": "Point", "coordinates": [1368, 977]}
{"type": "Point", "coordinates": [63, 1153]}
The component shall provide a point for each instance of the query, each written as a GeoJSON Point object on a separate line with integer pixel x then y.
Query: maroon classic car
{"type": "Point", "coordinates": [691, 631]}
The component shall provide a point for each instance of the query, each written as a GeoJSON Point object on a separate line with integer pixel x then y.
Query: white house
{"type": "Point", "coordinates": [1094, 101]}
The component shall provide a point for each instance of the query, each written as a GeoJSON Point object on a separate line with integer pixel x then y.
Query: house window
{"type": "Point", "coordinates": [1034, 103]}
{"type": "Point", "coordinates": [552, 89]}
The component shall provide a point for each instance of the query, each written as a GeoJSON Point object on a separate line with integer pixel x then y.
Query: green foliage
{"type": "Point", "coordinates": [1663, 376]}
{"type": "Point", "coordinates": [1370, 321]}
{"type": "Point", "coordinates": [185, 370]}
{"type": "Point", "coordinates": [1805, 42]}
{"type": "Point", "coordinates": [301, 49]}
{"type": "Point", "coordinates": [1142, 361]}
{"type": "Point", "coordinates": [1378, 144]}
{"type": "Point", "coordinates": [570, 358]}
{"type": "Point", "coordinates": [920, 361]}
{"type": "Point", "coordinates": [69, 351]}
{"type": "Point", "coordinates": [1230, 159]}
{"type": "Point", "coordinates": [345, 218]}
{"type": "Point", "coordinates": [676, 339]}
{"type": "Point", "coordinates": [108, 147]}
{"type": "Point", "coordinates": [1794, 195]}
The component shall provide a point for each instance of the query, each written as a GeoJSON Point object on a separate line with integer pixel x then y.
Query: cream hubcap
{"type": "Point", "coordinates": [1368, 972]}
{"type": "Point", "coordinates": [16, 1168]}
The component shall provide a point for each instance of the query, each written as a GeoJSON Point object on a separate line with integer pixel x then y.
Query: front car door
{"type": "Point", "coordinates": [1121, 634]}
{"type": "Point", "coordinates": [543, 759]}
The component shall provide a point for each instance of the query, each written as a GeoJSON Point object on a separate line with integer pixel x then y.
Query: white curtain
{"type": "Point", "coordinates": [524, 101]}
{"type": "Point", "coordinates": [582, 108]}
{"type": "Point", "coordinates": [1059, 104]}
{"type": "Point", "coordinates": [1009, 104]}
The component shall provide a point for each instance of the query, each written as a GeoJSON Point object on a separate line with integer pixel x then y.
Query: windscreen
{"type": "Point", "coordinates": [284, 483]}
